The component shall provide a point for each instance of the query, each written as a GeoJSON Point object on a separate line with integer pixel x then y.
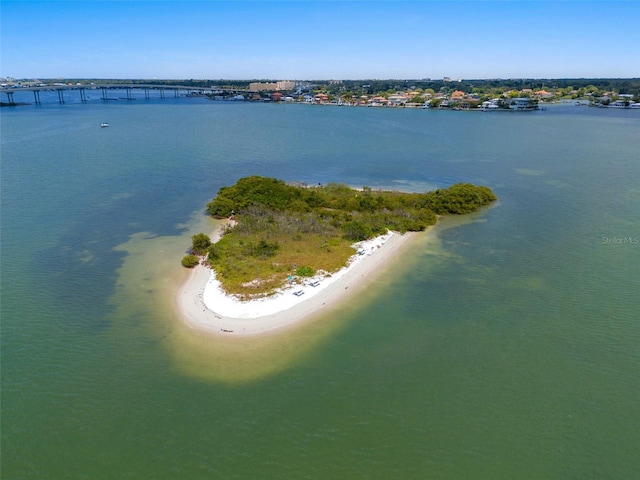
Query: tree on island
{"type": "Point", "coordinates": [199, 243]}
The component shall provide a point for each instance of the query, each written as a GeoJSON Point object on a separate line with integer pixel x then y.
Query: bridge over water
{"type": "Point", "coordinates": [160, 90]}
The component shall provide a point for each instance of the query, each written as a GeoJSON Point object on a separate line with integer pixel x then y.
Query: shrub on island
{"type": "Point", "coordinates": [190, 261]}
{"type": "Point", "coordinates": [305, 271]}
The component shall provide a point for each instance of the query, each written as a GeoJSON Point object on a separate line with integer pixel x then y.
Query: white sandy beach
{"type": "Point", "coordinates": [205, 306]}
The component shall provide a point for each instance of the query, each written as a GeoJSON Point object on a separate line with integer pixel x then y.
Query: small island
{"type": "Point", "coordinates": [283, 240]}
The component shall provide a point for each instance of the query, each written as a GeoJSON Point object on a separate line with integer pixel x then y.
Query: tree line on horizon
{"type": "Point", "coordinates": [373, 86]}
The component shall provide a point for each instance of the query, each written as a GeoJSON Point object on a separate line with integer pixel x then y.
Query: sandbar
{"type": "Point", "coordinates": [205, 306]}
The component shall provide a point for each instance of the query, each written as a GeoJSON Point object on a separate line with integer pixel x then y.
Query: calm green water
{"type": "Point", "coordinates": [504, 345]}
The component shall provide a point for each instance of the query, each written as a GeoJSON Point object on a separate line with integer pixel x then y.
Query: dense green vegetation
{"type": "Point", "coordinates": [561, 87]}
{"type": "Point", "coordinates": [340, 207]}
{"type": "Point", "coordinates": [282, 229]}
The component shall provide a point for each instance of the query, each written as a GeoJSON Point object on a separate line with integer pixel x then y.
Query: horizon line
{"type": "Point", "coordinates": [447, 79]}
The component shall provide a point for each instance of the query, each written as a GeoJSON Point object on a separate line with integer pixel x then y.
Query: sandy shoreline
{"type": "Point", "coordinates": [204, 306]}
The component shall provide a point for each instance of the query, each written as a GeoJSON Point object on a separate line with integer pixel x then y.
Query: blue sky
{"type": "Point", "coordinates": [302, 40]}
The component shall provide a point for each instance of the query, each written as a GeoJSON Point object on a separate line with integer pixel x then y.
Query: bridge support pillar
{"type": "Point", "coordinates": [83, 97]}
{"type": "Point", "coordinates": [162, 93]}
{"type": "Point", "coordinates": [128, 94]}
{"type": "Point", "coordinates": [104, 94]}
{"type": "Point", "coordinates": [10, 97]}
{"type": "Point", "coordinates": [60, 96]}
{"type": "Point", "coordinates": [146, 93]}
{"type": "Point", "coordinates": [36, 97]}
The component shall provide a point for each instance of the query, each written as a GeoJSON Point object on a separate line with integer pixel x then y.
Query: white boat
{"type": "Point", "coordinates": [104, 124]}
{"type": "Point", "coordinates": [635, 105]}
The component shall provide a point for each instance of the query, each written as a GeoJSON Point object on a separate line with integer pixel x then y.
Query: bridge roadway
{"type": "Point", "coordinates": [104, 87]}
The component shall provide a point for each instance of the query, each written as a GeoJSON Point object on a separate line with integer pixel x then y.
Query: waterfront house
{"type": "Point", "coordinates": [523, 103]}
{"type": "Point", "coordinates": [377, 101]}
{"type": "Point", "coordinates": [543, 94]}
{"type": "Point", "coordinates": [398, 99]}
{"type": "Point", "coordinates": [490, 105]}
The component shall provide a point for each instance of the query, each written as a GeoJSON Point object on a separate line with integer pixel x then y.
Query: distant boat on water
{"type": "Point", "coordinates": [104, 124]}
